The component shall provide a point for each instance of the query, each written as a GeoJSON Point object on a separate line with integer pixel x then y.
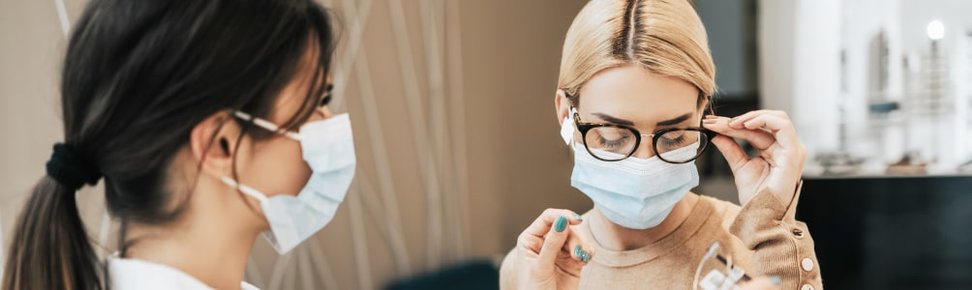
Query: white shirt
{"type": "Point", "coordinates": [138, 274]}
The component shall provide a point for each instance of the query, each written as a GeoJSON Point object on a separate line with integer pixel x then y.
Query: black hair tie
{"type": "Point", "coordinates": [70, 169]}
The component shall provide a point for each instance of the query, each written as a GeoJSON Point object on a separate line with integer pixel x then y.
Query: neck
{"type": "Point", "coordinates": [617, 238]}
{"type": "Point", "coordinates": [208, 249]}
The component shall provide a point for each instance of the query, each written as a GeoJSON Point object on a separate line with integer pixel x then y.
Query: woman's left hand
{"type": "Point", "coordinates": [779, 163]}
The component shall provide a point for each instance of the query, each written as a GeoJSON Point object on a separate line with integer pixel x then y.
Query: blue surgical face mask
{"type": "Point", "coordinates": [328, 148]}
{"type": "Point", "coordinates": [634, 193]}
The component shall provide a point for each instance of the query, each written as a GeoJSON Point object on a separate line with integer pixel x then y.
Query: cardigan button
{"type": "Point", "coordinates": [798, 233]}
{"type": "Point", "coordinates": [807, 264]}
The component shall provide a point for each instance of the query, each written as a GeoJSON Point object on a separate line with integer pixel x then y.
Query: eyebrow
{"type": "Point", "coordinates": [619, 121]}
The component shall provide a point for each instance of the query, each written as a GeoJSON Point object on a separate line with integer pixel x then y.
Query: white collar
{"type": "Point", "coordinates": [138, 274]}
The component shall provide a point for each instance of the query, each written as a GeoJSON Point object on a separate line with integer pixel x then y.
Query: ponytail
{"type": "Point", "coordinates": [50, 249]}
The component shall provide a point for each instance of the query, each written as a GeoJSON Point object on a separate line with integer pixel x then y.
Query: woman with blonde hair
{"type": "Point", "coordinates": [635, 80]}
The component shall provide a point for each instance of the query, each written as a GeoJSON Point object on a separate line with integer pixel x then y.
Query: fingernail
{"type": "Point", "coordinates": [581, 254]}
{"type": "Point", "coordinates": [578, 217]}
{"type": "Point", "coordinates": [561, 224]}
{"type": "Point", "coordinates": [776, 280]}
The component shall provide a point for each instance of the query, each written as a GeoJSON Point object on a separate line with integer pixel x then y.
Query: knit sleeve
{"type": "Point", "coordinates": [782, 245]}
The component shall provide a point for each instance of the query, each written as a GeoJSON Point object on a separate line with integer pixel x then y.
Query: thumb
{"type": "Point", "coordinates": [731, 150]}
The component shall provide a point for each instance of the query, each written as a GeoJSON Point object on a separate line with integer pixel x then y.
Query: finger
{"type": "Point", "coordinates": [553, 243]}
{"type": "Point", "coordinates": [532, 237]}
{"type": "Point", "coordinates": [542, 224]}
{"type": "Point", "coordinates": [530, 243]}
{"type": "Point", "coordinates": [579, 250]}
{"type": "Point", "coordinates": [758, 138]}
{"type": "Point", "coordinates": [734, 154]}
{"type": "Point", "coordinates": [737, 122]}
{"type": "Point", "coordinates": [782, 129]}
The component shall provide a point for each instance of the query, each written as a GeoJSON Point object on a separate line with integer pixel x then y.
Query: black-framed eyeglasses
{"type": "Point", "coordinates": [612, 142]}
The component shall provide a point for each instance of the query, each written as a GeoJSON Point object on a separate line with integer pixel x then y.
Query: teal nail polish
{"type": "Point", "coordinates": [581, 254]}
{"type": "Point", "coordinates": [578, 217]}
{"type": "Point", "coordinates": [561, 224]}
{"type": "Point", "coordinates": [776, 280]}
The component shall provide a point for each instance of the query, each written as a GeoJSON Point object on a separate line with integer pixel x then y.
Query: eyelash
{"type": "Point", "coordinates": [612, 143]}
{"type": "Point", "coordinates": [678, 140]}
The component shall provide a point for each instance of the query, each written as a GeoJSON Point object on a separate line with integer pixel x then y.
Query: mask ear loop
{"type": "Point", "coordinates": [269, 126]}
{"type": "Point", "coordinates": [252, 192]}
{"type": "Point", "coordinates": [736, 274]}
{"type": "Point", "coordinates": [731, 276]}
{"type": "Point", "coordinates": [567, 129]}
{"type": "Point", "coordinates": [698, 270]}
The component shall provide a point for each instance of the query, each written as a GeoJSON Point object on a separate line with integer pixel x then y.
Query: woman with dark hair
{"type": "Point", "coordinates": [208, 123]}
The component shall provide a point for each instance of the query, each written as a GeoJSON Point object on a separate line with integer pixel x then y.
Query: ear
{"type": "Point", "coordinates": [213, 142]}
{"type": "Point", "coordinates": [562, 104]}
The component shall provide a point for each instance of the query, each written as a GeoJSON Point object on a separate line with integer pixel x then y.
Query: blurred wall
{"type": "Point", "coordinates": [731, 28]}
{"type": "Point", "coordinates": [799, 65]}
{"type": "Point", "coordinates": [476, 78]}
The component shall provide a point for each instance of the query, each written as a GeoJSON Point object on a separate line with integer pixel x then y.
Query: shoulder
{"type": "Point", "coordinates": [139, 274]}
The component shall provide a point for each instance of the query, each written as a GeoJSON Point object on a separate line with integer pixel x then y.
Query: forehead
{"type": "Point", "coordinates": [294, 94]}
{"type": "Point", "coordinates": [634, 93]}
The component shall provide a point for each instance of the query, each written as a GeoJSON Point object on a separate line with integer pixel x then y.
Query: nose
{"type": "Point", "coordinates": [322, 113]}
{"type": "Point", "coordinates": [644, 150]}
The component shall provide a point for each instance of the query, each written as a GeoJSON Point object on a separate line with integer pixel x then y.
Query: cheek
{"type": "Point", "coordinates": [277, 167]}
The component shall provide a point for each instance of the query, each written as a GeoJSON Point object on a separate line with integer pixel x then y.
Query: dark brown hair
{"type": "Point", "coordinates": [137, 77]}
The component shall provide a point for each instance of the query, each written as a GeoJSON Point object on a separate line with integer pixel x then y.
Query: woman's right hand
{"type": "Point", "coordinates": [549, 255]}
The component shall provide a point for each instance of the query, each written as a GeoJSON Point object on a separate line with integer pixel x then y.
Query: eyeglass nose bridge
{"type": "Point", "coordinates": [647, 140]}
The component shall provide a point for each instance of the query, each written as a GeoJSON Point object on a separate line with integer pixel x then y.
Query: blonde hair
{"type": "Point", "coordinates": [666, 37]}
